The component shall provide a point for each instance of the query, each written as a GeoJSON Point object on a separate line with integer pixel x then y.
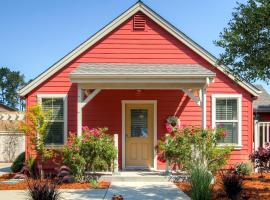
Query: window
{"type": "Point", "coordinates": [56, 130]}
{"type": "Point", "coordinates": [227, 115]}
{"type": "Point", "coordinates": [139, 122]}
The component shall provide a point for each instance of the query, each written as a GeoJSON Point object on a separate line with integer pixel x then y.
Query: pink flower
{"type": "Point", "coordinates": [85, 128]}
{"type": "Point", "coordinates": [169, 128]}
{"type": "Point", "coordinates": [73, 158]}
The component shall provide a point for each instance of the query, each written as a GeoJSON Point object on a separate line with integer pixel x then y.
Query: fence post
{"type": "Point", "coordinates": [115, 170]}
{"type": "Point", "coordinates": [256, 135]}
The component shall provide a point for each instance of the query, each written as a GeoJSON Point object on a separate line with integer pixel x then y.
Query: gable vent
{"type": "Point", "coordinates": [139, 22]}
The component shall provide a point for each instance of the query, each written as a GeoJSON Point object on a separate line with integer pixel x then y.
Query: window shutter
{"type": "Point", "coordinates": [139, 22]}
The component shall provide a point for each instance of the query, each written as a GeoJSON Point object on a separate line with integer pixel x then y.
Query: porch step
{"type": "Point", "coordinates": [136, 176]}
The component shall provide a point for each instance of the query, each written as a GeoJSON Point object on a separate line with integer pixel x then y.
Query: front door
{"type": "Point", "coordinates": [139, 135]}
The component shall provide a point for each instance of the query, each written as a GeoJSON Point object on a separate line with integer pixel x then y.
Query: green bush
{"type": "Point", "coordinates": [18, 163]}
{"type": "Point", "coordinates": [189, 146]}
{"type": "Point", "coordinates": [94, 151]}
{"type": "Point", "coordinates": [243, 169]}
{"type": "Point", "coordinates": [200, 181]}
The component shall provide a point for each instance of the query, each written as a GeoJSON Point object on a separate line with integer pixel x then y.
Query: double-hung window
{"type": "Point", "coordinates": [56, 130]}
{"type": "Point", "coordinates": [227, 115]}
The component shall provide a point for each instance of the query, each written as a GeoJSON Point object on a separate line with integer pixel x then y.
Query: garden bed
{"type": "Point", "coordinates": [22, 185]}
{"type": "Point", "coordinates": [254, 188]}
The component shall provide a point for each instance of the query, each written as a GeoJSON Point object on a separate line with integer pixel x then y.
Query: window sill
{"type": "Point", "coordinates": [235, 146]}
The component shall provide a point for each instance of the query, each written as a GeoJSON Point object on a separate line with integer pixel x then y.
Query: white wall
{"type": "Point", "coordinates": [11, 145]}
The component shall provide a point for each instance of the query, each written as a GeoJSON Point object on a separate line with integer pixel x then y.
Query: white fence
{"type": "Point", "coordinates": [261, 134]}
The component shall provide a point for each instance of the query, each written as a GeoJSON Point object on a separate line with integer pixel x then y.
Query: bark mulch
{"type": "Point", "coordinates": [23, 184]}
{"type": "Point", "coordinates": [255, 188]}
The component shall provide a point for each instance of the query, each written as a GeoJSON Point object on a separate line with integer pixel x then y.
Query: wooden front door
{"type": "Point", "coordinates": [139, 135]}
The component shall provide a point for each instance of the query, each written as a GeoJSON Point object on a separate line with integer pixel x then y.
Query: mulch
{"type": "Point", "coordinates": [23, 184]}
{"type": "Point", "coordinates": [255, 188]}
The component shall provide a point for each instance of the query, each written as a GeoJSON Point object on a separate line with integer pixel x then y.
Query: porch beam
{"type": "Point", "coordinates": [192, 96]}
{"type": "Point", "coordinates": [203, 101]}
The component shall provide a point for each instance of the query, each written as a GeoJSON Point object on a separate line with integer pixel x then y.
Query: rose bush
{"type": "Point", "coordinates": [192, 146]}
{"type": "Point", "coordinates": [93, 151]}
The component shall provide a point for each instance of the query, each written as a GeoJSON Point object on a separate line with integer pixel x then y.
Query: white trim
{"type": "Point", "coordinates": [114, 24]}
{"type": "Point", "coordinates": [65, 99]}
{"type": "Point", "coordinates": [239, 114]}
{"type": "Point", "coordinates": [191, 95]}
{"type": "Point", "coordinates": [204, 108]}
{"type": "Point", "coordinates": [124, 102]}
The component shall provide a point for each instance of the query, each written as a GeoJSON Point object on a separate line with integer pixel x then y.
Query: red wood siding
{"type": "Point", "coordinates": [154, 45]}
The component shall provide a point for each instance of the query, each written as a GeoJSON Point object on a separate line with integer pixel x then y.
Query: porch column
{"type": "Point", "coordinates": [203, 106]}
{"type": "Point", "coordinates": [81, 103]}
{"type": "Point", "coordinates": [79, 111]}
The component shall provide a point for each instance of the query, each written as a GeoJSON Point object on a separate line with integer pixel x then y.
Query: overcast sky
{"type": "Point", "coordinates": [34, 34]}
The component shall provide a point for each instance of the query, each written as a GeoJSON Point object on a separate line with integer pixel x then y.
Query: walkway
{"type": "Point", "coordinates": [4, 168]}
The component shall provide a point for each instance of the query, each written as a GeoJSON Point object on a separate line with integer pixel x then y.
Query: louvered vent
{"type": "Point", "coordinates": [139, 22]}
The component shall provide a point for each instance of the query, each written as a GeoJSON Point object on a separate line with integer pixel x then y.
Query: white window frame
{"type": "Point", "coordinates": [64, 97]}
{"type": "Point", "coordinates": [238, 97]}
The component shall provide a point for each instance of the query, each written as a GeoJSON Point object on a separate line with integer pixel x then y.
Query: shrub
{"type": "Point", "coordinates": [18, 163]}
{"type": "Point", "coordinates": [261, 159]}
{"type": "Point", "coordinates": [93, 151]}
{"type": "Point", "coordinates": [200, 181]}
{"type": "Point", "coordinates": [232, 184]}
{"type": "Point", "coordinates": [42, 189]}
{"type": "Point", "coordinates": [243, 169]}
{"type": "Point", "coordinates": [190, 146]}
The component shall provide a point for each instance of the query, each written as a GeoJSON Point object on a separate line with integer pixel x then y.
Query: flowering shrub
{"type": "Point", "coordinates": [93, 151]}
{"type": "Point", "coordinates": [192, 146]}
{"type": "Point", "coordinates": [261, 158]}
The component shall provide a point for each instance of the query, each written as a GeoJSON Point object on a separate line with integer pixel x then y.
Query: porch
{"type": "Point", "coordinates": [121, 95]}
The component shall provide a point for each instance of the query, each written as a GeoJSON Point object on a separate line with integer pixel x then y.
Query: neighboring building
{"type": "Point", "coordinates": [261, 106]}
{"type": "Point", "coordinates": [4, 108]}
{"type": "Point", "coordinates": [132, 75]}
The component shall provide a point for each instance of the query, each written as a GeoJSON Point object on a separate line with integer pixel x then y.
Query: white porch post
{"type": "Point", "coordinates": [115, 136]}
{"type": "Point", "coordinates": [203, 106]}
{"type": "Point", "coordinates": [81, 104]}
{"type": "Point", "coordinates": [256, 135]}
{"type": "Point", "coordinates": [79, 111]}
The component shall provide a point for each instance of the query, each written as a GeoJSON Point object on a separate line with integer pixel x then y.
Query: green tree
{"type": "Point", "coordinates": [36, 129]}
{"type": "Point", "coordinates": [246, 41]}
{"type": "Point", "coordinates": [11, 82]}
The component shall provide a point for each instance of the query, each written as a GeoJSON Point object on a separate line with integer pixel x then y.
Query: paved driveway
{"type": "Point", "coordinates": [129, 190]}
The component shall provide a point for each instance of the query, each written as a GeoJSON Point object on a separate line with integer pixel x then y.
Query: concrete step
{"type": "Point", "coordinates": [137, 176]}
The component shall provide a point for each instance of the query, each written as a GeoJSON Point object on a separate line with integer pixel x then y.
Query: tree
{"type": "Point", "coordinates": [11, 82]}
{"type": "Point", "coordinates": [36, 129]}
{"type": "Point", "coordinates": [246, 41]}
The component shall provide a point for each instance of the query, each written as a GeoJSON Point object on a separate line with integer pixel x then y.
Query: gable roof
{"type": "Point", "coordinates": [262, 104]}
{"type": "Point", "coordinates": [139, 6]}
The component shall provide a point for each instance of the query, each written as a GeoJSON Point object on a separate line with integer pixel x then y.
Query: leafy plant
{"type": "Point", "coordinates": [93, 151]}
{"type": "Point", "coordinates": [232, 184]}
{"type": "Point", "coordinates": [261, 159]}
{"type": "Point", "coordinates": [42, 189]}
{"type": "Point", "coordinates": [36, 128]}
{"type": "Point", "coordinates": [65, 175]}
{"type": "Point", "coordinates": [29, 168]}
{"type": "Point", "coordinates": [18, 163]}
{"type": "Point", "coordinates": [243, 169]}
{"type": "Point", "coordinates": [189, 146]}
{"type": "Point", "coordinates": [94, 183]}
{"type": "Point", "coordinates": [200, 181]}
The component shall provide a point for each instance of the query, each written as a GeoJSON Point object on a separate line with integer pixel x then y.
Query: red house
{"type": "Point", "coordinates": [134, 73]}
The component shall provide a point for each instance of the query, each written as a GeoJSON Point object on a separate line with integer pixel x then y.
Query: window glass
{"type": "Point", "coordinates": [139, 122]}
{"type": "Point", "coordinates": [55, 129]}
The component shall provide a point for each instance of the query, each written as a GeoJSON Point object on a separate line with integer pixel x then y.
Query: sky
{"type": "Point", "coordinates": [34, 34]}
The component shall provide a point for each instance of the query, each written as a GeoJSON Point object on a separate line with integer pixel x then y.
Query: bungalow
{"type": "Point", "coordinates": [130, 76]}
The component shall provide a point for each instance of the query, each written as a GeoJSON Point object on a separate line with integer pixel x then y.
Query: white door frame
{"type": "Point", "coordinates": [124, 102]}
